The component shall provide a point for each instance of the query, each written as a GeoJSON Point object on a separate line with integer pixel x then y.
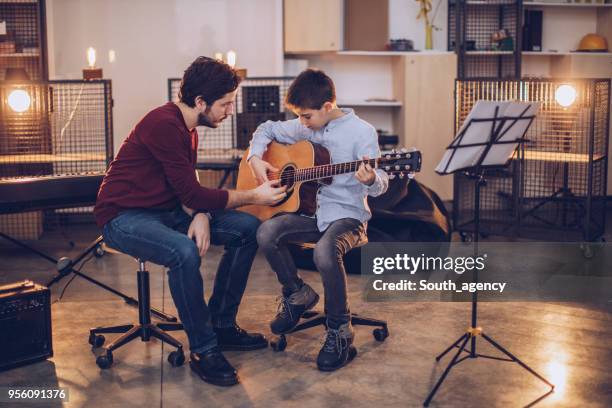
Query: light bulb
{"type": "Point", "coordinates": [565, 95]}
{"type": "Point", "coordinates": [112, 56]}
{"type": "Point", "coordinates": [91, 57]}
{"type": "Point", "coordinates": [231, 58]}
{"type": "Point", "coordinates": [19, 100]}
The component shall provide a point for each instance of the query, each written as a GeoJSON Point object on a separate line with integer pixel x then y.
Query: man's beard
{"type": "Point", "coordinates": [204, 120]}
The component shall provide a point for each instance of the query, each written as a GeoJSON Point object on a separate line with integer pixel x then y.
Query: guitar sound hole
{"type": "Point", "coordinates": [288, 177]}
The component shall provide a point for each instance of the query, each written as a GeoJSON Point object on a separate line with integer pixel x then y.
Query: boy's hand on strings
{"type": "Point", "coordinates": [260, 169]}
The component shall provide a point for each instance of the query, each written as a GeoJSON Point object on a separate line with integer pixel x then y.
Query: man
{"type": "Point", "coordinates": [151, 206]}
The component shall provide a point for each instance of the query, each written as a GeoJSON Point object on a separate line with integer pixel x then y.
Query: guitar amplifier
{"type": "Point", "coordinates": [25, 324]}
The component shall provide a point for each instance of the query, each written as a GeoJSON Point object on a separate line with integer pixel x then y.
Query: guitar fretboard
{"type": "Point", "coordinates": [329, 170]}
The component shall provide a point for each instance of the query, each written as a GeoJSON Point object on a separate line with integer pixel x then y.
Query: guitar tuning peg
{"type": "Point", "coordinates": [407, 167]}
{"type": "Point", "coordinates": [387, 156]}
{"type": "Point", "coordinates": [410, 175]}
{"type": "Point", "coordinates": [391, 176]}
{"type": "Point", "coordinates": [413, 149]}
{"type": "Point", "coordinates": [401, 175]}
{"type": "Point", "coordinates": [387, 168]}
{"type": "Point", "coordinates": [404, 150]}
{"type": "Point", "coordinates": [397, 167]}
{"type": "Point", "coordinates": [393, 151]}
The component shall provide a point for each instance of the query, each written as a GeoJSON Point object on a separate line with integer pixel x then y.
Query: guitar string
{"type": "Point", "coordinates": [310, 171]}
{"type": "Point", "coordinates": [301, 177]}
{"type": "Point", "coordinates": [327, 166]}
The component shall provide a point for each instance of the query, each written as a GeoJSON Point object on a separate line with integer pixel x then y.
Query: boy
{"type": "Point", "coordinates": [342, 210]}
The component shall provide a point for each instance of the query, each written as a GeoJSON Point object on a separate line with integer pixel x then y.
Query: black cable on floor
{"type": "Point", "coordinates": [78, 269]}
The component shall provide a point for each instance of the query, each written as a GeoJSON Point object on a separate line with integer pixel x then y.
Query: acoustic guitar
{"type": "Point", "coordinates": [305, 166]}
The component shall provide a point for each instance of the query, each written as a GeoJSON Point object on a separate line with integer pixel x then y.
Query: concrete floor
{"type": "Point", "coordinates": [567, 343]}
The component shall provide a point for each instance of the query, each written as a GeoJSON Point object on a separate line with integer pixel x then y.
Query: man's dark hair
{"type": "Point", "coordinates": [208, 78]}
{"type": "Point", "coordinates": [310, 90]}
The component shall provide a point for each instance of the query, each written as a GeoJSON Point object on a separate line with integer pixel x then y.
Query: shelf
{"type": "Point", "coordinates": [362, 103]}
{"type": "Point", "coordinates": [527, 4]}
{"type": "Point", "coordinates": [566, 53]}
{"type": "Point", "coordinates": [19, 55]}
{"type": "Point", "coordinates": [369, 53]}
{"type": "Point", "coordinates": [489, 52]}
{"type": "Point", "coordinates": [393, 53]}
{"type": "Point", "coordinates": [487, 3]}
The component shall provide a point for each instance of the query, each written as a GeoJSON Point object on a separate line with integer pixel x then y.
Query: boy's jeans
{"type": "Point", "coordinates": [339, 238]}
{"type": "Point", "coordinates": [160, 236]}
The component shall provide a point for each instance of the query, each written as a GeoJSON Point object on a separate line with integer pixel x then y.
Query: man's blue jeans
{"type": "Point", "coordinates": [160, 236]}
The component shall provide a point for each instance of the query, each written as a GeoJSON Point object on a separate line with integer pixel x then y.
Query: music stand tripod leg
{"type": "Point", "coordinates": [68, 268]}
{"type": "Point", "coordinates": [517, 360]}
{"type": "Point", "coordinates": [448, 368]}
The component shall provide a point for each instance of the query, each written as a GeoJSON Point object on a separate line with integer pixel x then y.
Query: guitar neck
{"type": "Point", "coordinates": [330, 170]}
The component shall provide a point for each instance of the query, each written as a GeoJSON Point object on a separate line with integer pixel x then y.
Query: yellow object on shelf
{"type": "Point", "coordinates": [593, 43]}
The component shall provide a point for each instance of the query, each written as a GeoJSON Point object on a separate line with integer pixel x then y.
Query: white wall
{"type": "Point", "coordinates": [404, 24]}
{"type": "Point", "coordinates": [157, 39]}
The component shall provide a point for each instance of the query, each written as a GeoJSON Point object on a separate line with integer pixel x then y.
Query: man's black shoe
{"type": "Point", "coordinates": [235, 338]}
{"type": "Point", "coordinates": [338, 349]}
{"type": "Point", "coordinates": [213, 368]}
{"type": "Point", "coordinates": [291, 309]}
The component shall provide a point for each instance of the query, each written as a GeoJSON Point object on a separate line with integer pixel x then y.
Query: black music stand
{"type": "Point", "coordinates": [488, 139]}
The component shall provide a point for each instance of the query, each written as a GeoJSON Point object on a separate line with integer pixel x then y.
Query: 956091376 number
{"type": "Point", "coordinates": [14, 394]}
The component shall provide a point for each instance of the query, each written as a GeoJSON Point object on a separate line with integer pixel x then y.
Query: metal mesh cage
{"type": "Point", "coordinates": [557, 181]}
{"type": "Point", "coordinates": [485, 34]}
{"type": "Point", "coordinates": [24, 44]}
{"type": "Point", "coordinates": [53, 128]}
{"type": "Point", "coordinates": [258, 99]}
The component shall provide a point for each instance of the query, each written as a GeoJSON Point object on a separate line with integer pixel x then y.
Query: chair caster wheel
{"type": "Point", "coordinates": [380, 334]}
{"type": "Point", "coordinates": [104, 361]}
{"type": "Point", "coordinates": [587, 251]}
{"type": "Point", "coordinates": [280, 344]}
{"type": "Point", "coordinates": [176, 358]}
{"type": "Point", "coordinates": [99, 251]}
{"type": "Point", "coordinates": [466, 237]}
{"type": "Point", "coordinates": [96, 340]}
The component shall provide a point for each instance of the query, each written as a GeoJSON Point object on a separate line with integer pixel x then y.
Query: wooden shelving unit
{"type": "Point", "coordinates": [26, 34]}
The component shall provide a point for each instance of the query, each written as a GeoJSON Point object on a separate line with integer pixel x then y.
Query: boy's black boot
{"type": "Point", "coordinates": [338, 349]}
{"type": "Point", "coordinates": [292, 307]}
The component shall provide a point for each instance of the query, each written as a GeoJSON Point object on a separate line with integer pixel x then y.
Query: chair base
{"type": "Point", "coordinates": [320, 319]}
{"type": "Point", "coordinates": [130, 332]}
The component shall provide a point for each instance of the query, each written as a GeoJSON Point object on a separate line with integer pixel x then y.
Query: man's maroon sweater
{"type": "Point", "coordinates": [155, 168]}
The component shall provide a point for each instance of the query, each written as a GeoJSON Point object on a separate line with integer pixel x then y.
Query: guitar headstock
{"type": "Point", "coordinates": [403, 162]}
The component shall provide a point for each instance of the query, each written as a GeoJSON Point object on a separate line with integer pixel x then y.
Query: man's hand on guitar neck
{"type": "Point", "coordinates": [260, 169]}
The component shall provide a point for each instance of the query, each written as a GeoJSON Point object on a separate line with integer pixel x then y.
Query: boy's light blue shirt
{"type": "Point", "coordinates": [347, 138]}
